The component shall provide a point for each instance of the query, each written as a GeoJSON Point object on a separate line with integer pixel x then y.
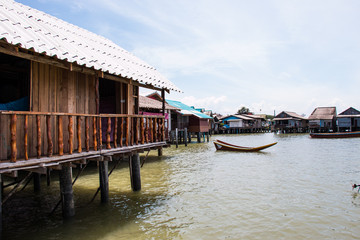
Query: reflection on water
{"type": "Point", "coordinates": [298, 189]}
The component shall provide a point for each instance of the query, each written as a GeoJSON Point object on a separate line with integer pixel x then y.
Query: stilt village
{"type": "Point", "coordinates": [70, 98]}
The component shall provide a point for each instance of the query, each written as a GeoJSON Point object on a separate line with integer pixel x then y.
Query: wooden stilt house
{"type": "Point", "coordinates": [323, 119]}
{"type": "Point", "coordinates": [69, 95]}
{"type": "Point", "coordinates": [289, 122]}
{"type": "Point", "coordinates": [151, 107]}
{"type": "Point", "coordinates": [68, 92]}
{"type": "Point", "coordinates": [195, 122]}
{"type": "Point", "coordinates": [349, 120]}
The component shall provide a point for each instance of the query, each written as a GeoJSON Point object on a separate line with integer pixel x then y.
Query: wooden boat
{"type": "Point", "coordinates": [335, 135]}
{"type": "Point", "coordinates": [221, 145]}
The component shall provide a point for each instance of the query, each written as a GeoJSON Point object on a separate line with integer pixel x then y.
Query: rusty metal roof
{"type": "Point", "coordinates": [31, 29]}
{"type": "Point", "coordinates": [149, 103]}
{"type": "Point", "coordinates": [325, 113]}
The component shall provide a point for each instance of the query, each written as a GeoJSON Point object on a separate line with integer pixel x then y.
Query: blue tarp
{"type": "Point", "coordinates": [182, 106]}
{"type": "Point", "coordinates": [21, 104]}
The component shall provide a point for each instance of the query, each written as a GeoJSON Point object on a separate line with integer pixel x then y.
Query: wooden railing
{"type": "Point", "coordinates": [27, 135]}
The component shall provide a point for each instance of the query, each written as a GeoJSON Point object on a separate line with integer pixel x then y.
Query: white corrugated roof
{"type": "Point", "coordinates": [32, 29]}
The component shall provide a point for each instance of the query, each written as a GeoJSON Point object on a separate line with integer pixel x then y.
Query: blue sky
{"type": "Point", "coordinates": [274, 55]}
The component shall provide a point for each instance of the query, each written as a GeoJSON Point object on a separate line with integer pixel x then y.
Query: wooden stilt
{"type": "Point", "coordinates": [66, 191]}
{"type": "Point", "coordinates": [160, 152]}
{"type": "Point", "coordinates": [134, 165]}
{"type": "Point", "coordinates": [185, 137]}
{"type": "Point", "coordinates": [37, 181]}
{"type": "Point", "coordinates": [198, 137]}
{"type": "Point", "coordinates": [104, 181]}
{"type": "Point", "coordinates": [207, 136]}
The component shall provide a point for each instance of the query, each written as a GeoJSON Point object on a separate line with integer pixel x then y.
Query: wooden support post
{"type": "Point", "coordinates": [1, 193]}
{"type": "Point", "coordinates": [37, 182]}
{"type": "Point", "coordinates": [177, 137]}
{"type": "Point", "coordinates": [48, 177]}
{"type": "Point", "coordinates": [78, 131]}
{"type": "Point", "coordinates": [26, 131]}
{"type": "Point", "coordinates": [66, 191]}
{"type": "Point", "coordinates": [49, 138]}
{"type": "Point", "coordinates": [185, 137]}
{"type": "Point", "coordinates": [104, 180]}
{"type": "Point", "coordinates": [13, 138]}
{"type": "Point", "coordinates": [60, 136]}
{"type": "Point", "coordinates": [134, 165]}
{"type": "Point", "coordinates": [198, 137]}
{"type": "Point", "coordinates": [108, 133]}
{"type": "Point", "coordinates": [160, 152]}
{"type": "Point", "coordinates": [71, 134]}
{"type": "Point", "coordinates": [189, 137]}
{"type": "Point", "coordinates": [87, 134]}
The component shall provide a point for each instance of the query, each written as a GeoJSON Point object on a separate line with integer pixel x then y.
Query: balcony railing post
{"type": "Point", "coordinates": [60, 136]}
{"type": "Point", "coordinates": [78, 130]}
{"type": "Point", "coordinates": [87, 135]}
{"type": "Point", "coordinates": [121, 131]}
{"type": "Point", "coordinates": [94, 134]}
{"type": "Point", "coordinates": [151, 130]}
{"type": "Point", "coordinates": [108, 133]}
{"type": "Point", "coordinates": [26, 131]}
{"type": "Point", "coordinates": [71, 134]}
{"type": "Point", "coordinates": [155, 130]}
{"type": "Point", "coordinates": [115, 132]}
{"type": "Point", "coordinates": [147, 130]}
{"type": "Point", "coordinates": [13, 138]}
{"type": "Point", "coordinates": [127, 131]}
{"type": "Point", "coordinates": [38, 136]}
{"type": "Point", "coordinates": [49, 138]}
{"type": "Point", "coordinates": [100, 132]}
{"type": "Point", "coordinates": [142, 130]}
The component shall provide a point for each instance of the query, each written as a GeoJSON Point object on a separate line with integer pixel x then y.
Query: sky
{"type": "Point", "coordinates": [266, 55]}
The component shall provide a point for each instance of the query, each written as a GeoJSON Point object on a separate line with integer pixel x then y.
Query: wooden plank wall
{"type": "Point", "coordinates": [53, 90]}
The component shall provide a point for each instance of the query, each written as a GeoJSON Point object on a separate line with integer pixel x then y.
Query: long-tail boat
{"type": "Point", "coordinates": [335, 135]}
{"type": "Point", "coordinates": [221, 145]}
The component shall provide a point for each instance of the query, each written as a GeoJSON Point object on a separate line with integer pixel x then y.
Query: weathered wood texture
{"type": "Point", "coordinates": [64, 125]}
{"type": "Point", "coordinates": [63, 116]}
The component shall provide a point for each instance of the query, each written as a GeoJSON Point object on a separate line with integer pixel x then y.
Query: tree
{"type": "Point", "coordinates": [243, 110]}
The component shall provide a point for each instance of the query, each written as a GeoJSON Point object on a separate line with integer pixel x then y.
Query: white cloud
{"type": "Point", "coordinates": [278, 55]}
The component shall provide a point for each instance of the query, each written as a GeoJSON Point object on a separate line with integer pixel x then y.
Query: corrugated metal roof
{"type": "Point", "coordinates": [326, 113]}
{"type": "Point", "coordinates": [186, 110]}
{"type": "Point", "coordinates": [32, 29]}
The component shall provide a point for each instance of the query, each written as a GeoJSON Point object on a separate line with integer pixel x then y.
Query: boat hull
{"type": "Point", "coordinates": [335, 135]}
{"type": "Point", "coordinates": [220, 145]}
